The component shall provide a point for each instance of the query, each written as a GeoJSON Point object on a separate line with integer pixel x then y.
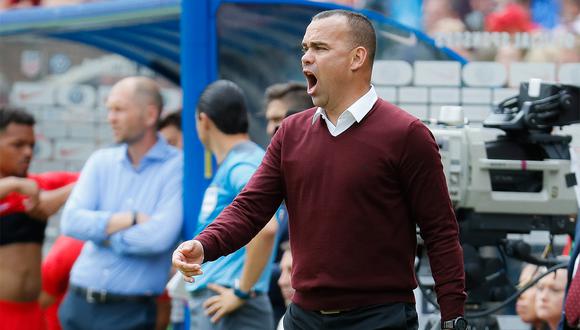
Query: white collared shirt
{"type": "Point", "coordinates": [355, 113]}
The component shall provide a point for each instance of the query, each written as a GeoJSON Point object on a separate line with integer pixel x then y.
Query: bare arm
{"type": "Point", "coordinates": [258, 253]}
{"type": "Point", "coordinates": [50, 202]}
{"type": "Point", "coordinates": [124, 220]}
{"type": "Point", "coordinates": [20, 185]}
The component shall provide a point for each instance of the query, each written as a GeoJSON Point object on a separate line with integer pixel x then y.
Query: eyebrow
{"type": "Point", "coordinates": [314, 43]}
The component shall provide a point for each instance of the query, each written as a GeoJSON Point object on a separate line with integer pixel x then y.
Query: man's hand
{"type": "Point", "coordinates": [187, 258]}
{"type": "Point", "coordinates": [221, 304]}
{"type": "Point", "coordinates": [22, 186]}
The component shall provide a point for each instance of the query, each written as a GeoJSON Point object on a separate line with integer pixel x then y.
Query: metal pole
{"type": "Point", "coordinates": [198, 68]}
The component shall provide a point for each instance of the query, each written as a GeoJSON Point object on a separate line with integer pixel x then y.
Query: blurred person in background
{"type": "Point", "coordinates": [285, 279]}
{"type": "Point", "coordinates": [475, 19]}
{"type": "Point", "coordinates": [56, 268]}
{"type": "Point", "coordinates": [436, 10]}
{"type": "Point", "coordinates": [27, 201]}
{"type": "Point", "coordinates": [127, 207]}
{"type": "Point", "coordinates": [569, 17]}
{"type": "Point", "coordinates": [170, 128]}
{"type": "Point", "coordinates": [282, 100]}
{"type": "Point", "coordinates": [232, 294]}
{"type": "Point", "coordinates": [58, 263]}
{"type": "Point", "coordinates": [452, 25]}
{"type": "Point", "coordinates": [526, 303]}
{"type": "Point", "coordinates": [8, 4]}
{"type": "Point", "coordinates": [284, 97]}
{"type": "Point", "coordinates": [512, 17]}
{"type": "Point", "coordinates": [23, 186]}
{"type": "Point", "coordinates": [550, 297]}
{"type": "Point", "coordinates": [171, 309]}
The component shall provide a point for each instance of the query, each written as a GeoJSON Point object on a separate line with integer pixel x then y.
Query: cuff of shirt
{"type": "Point", "coordinates": [452, 306]}
{"type": "Point", "coordinates": [100, 233]}
{"type": "Point", "coordinates": [208, 248]}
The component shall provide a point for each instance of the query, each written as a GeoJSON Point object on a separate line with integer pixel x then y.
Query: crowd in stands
{"type": "Point", "coordinates": [556, 19]}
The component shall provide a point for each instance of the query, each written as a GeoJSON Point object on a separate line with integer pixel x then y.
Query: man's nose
{"type": "Point", "coordinates": [110, 117]}
{"type": "Point", "coordinates": [28, 150]}
{"type": "Point", "coordinates": [307, 58]}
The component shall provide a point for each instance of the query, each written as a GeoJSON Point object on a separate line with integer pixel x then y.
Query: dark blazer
{"type": "Point", "coordinates": [573, 256]}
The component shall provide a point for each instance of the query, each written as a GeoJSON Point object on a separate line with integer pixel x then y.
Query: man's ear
{"type": "Point", "coordinates": [359, 57]}
{"type": "Point", "coordinates": [152, 115]}
{"type": "Point", "coordinates": [204, 120]}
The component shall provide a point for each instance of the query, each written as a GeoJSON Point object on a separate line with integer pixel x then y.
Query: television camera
{"type": "Point", "coordinates": [511, 176]}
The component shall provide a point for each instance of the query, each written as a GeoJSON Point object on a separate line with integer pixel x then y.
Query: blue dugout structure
{"type": "Point", "coordinates": [193, 42]}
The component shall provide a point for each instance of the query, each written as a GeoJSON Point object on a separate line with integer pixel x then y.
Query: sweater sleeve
{"type": "Point", "coordinates": [425, 189]}
{"type": "Point", "coordinates": [251, 209]}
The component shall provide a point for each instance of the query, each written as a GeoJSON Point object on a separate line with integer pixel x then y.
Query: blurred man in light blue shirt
{"type": "Point", "coordinates": [127, 206]}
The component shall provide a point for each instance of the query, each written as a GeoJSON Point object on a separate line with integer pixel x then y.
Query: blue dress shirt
{"type": "Point", "coordinates": [135, 260]}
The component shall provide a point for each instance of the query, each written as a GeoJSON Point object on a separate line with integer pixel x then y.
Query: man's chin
{"type": "Point", "coordinates": [318, 101]}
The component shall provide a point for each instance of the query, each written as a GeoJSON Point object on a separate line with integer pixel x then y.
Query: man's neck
{"type": "Point", "coordinates": [224, 143]}
{"type": "Point", "coordinates": [137, 150]}
{"type": "Point", "coordinates": [333, 112]}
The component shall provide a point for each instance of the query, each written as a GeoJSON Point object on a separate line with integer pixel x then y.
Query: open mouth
{"type": "Point", "coordinates": [311, 80]}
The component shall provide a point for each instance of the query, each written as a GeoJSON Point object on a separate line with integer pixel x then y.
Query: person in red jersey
{"type": "Point", "coordinates": [23, 216]}
{"type": "Point", "coordinates": [55, 274]}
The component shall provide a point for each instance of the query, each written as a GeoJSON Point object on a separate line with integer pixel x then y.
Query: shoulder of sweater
{"type": "Point", "coordinates": [301, 119]}
{"type": "Point", "coordinates": [393, 116]}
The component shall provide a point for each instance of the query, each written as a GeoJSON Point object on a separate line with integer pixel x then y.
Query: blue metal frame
{"type": "Point", "coordinates": [198, 68]}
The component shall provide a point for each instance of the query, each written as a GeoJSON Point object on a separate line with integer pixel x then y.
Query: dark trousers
{"type": "Point", "coordinates": [384, 316]}
{"type": "Point", "coordinates": [75, 313]}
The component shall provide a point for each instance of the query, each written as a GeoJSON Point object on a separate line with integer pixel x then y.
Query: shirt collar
{"type": "Point", "coordinates": [358, 109]}
{"type": "Point", "coordinates": [158, 151]}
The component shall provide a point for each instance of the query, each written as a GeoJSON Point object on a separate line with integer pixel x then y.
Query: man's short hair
{"type": "Point", "coordinates": [294, 94]}
{"type": "Point", "coordinates": [361, 28]}
{"type": "Point", "coordinates": [224, 103]}
{"type": "Point", "coordinates": [9, 115]}
{"type": "Point", "coordinates": [147, 90]}
{"type": "Point", "coordinates": [170, 119]}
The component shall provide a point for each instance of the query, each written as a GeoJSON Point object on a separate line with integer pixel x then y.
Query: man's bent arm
{"type": "Point", "coordinates": [425, 188]}
{"type": "Point", "coordinates": [80, 218]}
{"type": "Point", "coordinates": [23, 186]}
{"type": "Point", "coordinates": [161, 231]}
{"type": "Point", "coordinates": [50, 201]}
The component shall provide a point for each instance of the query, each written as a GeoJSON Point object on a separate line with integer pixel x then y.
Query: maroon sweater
{"type": "Point", "coordinates": [353, 201]}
